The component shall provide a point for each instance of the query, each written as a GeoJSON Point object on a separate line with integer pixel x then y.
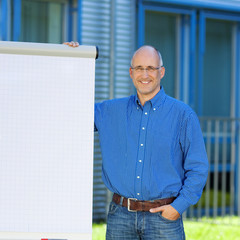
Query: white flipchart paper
{"type": "Point", "coordinates": [46, 145]}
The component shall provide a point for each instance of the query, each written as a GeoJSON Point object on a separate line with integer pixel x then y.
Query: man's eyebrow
{"type": "Point", "coordinates": [142, 66]}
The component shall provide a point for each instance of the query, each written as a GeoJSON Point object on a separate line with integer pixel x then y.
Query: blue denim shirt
{"type": "Point", "coordinates": [153, 151]}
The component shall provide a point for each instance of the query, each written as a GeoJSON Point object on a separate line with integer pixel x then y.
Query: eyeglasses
{"type": "Point", "coordinates": [149, 69]}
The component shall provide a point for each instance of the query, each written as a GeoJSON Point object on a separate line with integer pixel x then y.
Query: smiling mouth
{"type": "Point", "coordinates": [144, 82]}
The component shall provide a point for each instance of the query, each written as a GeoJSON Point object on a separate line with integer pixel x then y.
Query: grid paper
{"type": "Point", "coordinates": [46, 143]}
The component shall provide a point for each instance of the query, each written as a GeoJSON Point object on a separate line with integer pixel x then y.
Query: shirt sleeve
{"type": "Point", "coordinates": [195, 164]}
{"type": "Point", "coordinates": [98, 115]}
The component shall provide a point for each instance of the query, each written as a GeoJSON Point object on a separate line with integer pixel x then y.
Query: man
{"type": "Point", "coordinates": [154, 158]}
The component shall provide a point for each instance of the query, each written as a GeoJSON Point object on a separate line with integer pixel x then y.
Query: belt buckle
{"type": "Point", "coordinates": [128, 204]}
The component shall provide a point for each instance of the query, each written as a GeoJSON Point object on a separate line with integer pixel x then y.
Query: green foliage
{"type": "Point", "coordinates": [222, 198]}
{"type": "Point", "coordinates": [194, 230]}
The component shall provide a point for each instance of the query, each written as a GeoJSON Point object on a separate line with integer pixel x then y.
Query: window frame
{"type": "Point", "coordinates": [185, 88]}
{"type": "Point", "coordinates": [203, 16]}
{"type": "Point", "coordinates": [17, 11]}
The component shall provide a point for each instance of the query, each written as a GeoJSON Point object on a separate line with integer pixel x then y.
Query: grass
{"type": "Point", "coordinates": [211, 231]}
{"type": "Point", "coordinates": [194, 230]}
{"type": "Point", "coordinates": [99, 231]}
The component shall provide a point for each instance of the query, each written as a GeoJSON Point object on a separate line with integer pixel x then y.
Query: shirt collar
{"type": "Point", "coordinates": [156, 101]}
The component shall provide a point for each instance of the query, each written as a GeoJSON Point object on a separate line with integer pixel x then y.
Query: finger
{"type": "Point", "coordinates": [74, 44]}
{"type": "Point", "coordinates": [71, 44]}
{"type": "Point", "coordinates": [155, 210]}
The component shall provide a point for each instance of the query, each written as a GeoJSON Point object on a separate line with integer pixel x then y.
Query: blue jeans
{"type": "Point", "coordinates": [122, 224]}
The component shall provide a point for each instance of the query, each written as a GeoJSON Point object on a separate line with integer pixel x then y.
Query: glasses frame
{"type": "Point", "coordinates": [148, 69]}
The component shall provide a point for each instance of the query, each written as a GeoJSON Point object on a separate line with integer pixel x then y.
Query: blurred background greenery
{"type": "Point", "coordinates": [217, 229]}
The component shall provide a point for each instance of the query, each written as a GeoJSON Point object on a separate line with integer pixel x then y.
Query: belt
{"type": "Point", "coordinates": [134, 205]}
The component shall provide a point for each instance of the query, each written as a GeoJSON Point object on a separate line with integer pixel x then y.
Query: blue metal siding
{"type": "Point", "coordinates": [96, 30]}
{"type": "Point", "coordinates": [237, 93]}
{"type": "Point", "coordinates": [223, 5]}
{"type": "Point", "coordinates": [201, 50]}
{"type": "Point", "coordinates": [141, 23]}
{"type": "Point", "coordinates": [110, 26]}
{"type": "Point", "coordinates": [124, 46]}
{"type": "Point", "coordinates": [4, 18]}
{"type": "Point", "coordinates": [237, 113]}
{"type": "Point", "coordinates": [79, 22]}
{"type": "Point", "coordinates": [16, 19]}
{"type": "Point", "coordinates": [70, 21]}
{"type": "Point", "coordinates": [192, 63]}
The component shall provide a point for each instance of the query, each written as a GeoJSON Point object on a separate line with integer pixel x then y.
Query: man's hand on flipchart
{"type": "Point", "coordinates": [72, 44]}
{"type": "Point", "coordinates": [168, 212]}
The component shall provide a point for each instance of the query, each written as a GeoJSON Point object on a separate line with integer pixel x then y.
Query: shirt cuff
{"type": "Point", "coordinates": [180, 204]}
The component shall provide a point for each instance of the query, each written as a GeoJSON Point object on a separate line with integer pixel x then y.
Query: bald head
{"type": "Point", "coordinates": [151, 50]}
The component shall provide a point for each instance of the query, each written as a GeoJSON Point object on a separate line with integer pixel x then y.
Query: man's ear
{"type": "Point", "coordinates": [162, 72]}
{"type": "Point", "coordinates": [130, 72]}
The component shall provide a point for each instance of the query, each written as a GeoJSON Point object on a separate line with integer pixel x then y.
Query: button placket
{"type": "Point", "coordinates": [141, 149]}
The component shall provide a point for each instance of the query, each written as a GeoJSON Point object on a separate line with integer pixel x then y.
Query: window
{"type": "Point", "coordinates": [217, 65]}
{"type": "Point", "coordinates": [161, 32]}
{"type": "Point", "coordinates": [217, 68]}
{"type": "Point", "coordinates": [42, 21]}
{"type": "Point", "coordinates": [172, 31]}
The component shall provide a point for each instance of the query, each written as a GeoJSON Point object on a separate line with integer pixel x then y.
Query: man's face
{"type": "Point", "coordinates": [147, 83]}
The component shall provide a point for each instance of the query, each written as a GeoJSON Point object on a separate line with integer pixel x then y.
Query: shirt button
{"type": "Point", "coordinates": [138, 194]}
{"type": "Point", "coordinates": [137, 108]}
{"type": "Point", "coordinates": [143, 128]}
{"type": "Point", "coordinates": [138, 177]}
{"type": "Point", "coordinates": [141, 144]}
{"type": "Point", "coordinates": [145, 113]}
{"type": "Point", "coordinates": [154, 109]}
{"type": "Point", "coordinates": [140, 160]}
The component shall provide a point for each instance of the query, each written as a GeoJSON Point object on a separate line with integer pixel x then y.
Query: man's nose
{"type": "Point", "coordinates": [145, 72]}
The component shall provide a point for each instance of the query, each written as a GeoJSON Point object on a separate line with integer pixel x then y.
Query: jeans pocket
{"type": "Point", "coordinates": [112, 208]}
{"type": "Point", "coordinates": [166, 219]}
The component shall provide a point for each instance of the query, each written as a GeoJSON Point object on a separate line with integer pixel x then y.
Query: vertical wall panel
{"type": "Point", "coordinates": [1, 20]}
{"type": "Point", "coordinates": [96, 16]}
{"type": "Point", "coordinates": [115, 40]}
{"type": "Point", "coordinates": [124, 46]}
{"type": "Point", "coordinates": [5, 22]}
